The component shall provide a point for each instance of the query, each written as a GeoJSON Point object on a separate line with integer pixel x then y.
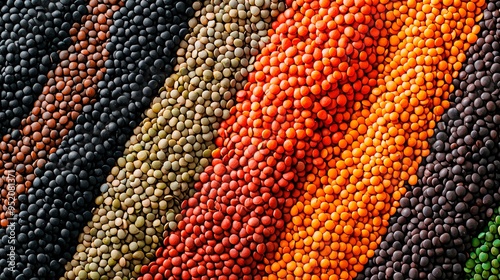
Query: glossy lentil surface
{"type": "Point", "coordinates": [309, 148]}
{"type": "Point", "coordinates": [32, 34]}
{"type": "Point", "coordinates": [457, 188]}
{"type": "Point", "coordinates": [142, 46]}
{"type": "Point", "coordinates": [483, 262]}
{"type": "Point", "coordinates": [70, 86]}
{"type": "Point", "coordinates": [280, 124]}
{"type": "Point", "coordinates": [173, 144]}
{"type": "Point", "coordinates": [337, 226]}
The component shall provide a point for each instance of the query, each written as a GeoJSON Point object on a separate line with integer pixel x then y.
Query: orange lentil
{"type": "Point", "coordinates": [423, 53]}
{"type": "Point", "coordinates": [288, 128]}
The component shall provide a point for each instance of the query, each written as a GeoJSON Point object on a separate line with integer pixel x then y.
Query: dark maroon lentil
{"type": "Point", "coordinates": [431, 234]}
{"type": "Point", "coordinates": [31, 35]}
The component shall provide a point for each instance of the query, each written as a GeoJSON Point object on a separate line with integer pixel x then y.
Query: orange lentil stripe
{"type": "Point", "coordinates": [71, 86]}
{"type": "Point", "coordinates": [337, 226]}
{"type": "Point", "coordinates": [296, 102]}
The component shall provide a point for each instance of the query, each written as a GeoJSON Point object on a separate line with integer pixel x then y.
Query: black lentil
{"type": "Point", "coordinates": [126, 89]}
{"type": "Point", "coordinates": [173, 144]}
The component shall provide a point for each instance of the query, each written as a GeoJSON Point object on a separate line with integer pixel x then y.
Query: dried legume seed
{"type": "Point", "coordinates": [58, 204]}
{"type": "Point", "coordinates": [352, 199]}
{"type": "Point", "coordinates": [187, 138]}
{"type": "Point", "coordinates": [67, 90]}
{"type": "Point", "coordinates": [32, 33]}
{"type": "Point", "coordinates": [266, 146]}
{"type": "Point", "coordinates": [456, 190]}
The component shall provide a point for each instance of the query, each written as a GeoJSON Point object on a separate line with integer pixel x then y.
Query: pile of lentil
{"type": "Point", "coordinates": [431, 235]}
{"type": "Point", "coordinates": [143, 41]}
{"type": "Point", "coordinates": [173, 144]}
{"type": "Point", "coordinates": [483, 262]}
{"type": "Point", "coordinates": [336, 227]}
{"type": "Point", "coordinates": [349, 139]}
{"type": "Point", "coordinates": [270, 141]}
{"type": "Point", "coordinates": [31, 34]}
{"type": "Point", "coordinates": [70, 86]}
